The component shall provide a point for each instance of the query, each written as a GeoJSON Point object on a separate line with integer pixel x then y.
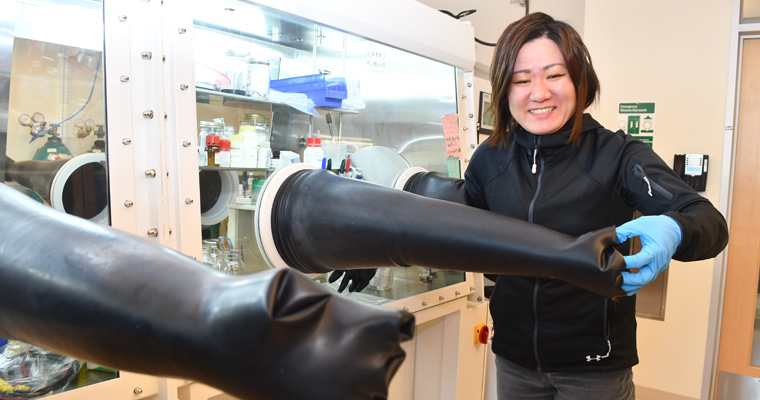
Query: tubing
{"type": "Point", "coordinates": [320, 222]}
{"type": "Point", "coordinates": [95, 293]}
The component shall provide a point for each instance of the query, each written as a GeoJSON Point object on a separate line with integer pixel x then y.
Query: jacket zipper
{"type": "Point", "coordinates": [530, 219]}
{"type": "Point", "coordinates": [639, 171]}
{"type": "Point", "coordinates": [606, 330]}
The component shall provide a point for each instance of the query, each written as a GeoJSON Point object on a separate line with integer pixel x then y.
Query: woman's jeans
{"type": "Point", "coordinates": [517, 383]}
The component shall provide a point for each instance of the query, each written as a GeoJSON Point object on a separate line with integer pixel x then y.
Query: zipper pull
{"type": "Point", "coordinates": [649, 185]}
{"type": "Point", "coordinates": [534, 169]}
{"type": "Point", "coordinates": [640, 172]}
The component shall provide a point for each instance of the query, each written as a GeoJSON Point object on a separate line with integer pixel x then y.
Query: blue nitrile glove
{"type": "Point", "coordinates": [660, 237]}
{"type": "Point", "coordinates": [359, 278]}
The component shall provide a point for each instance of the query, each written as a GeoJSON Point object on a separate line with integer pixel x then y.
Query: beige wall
{"type": "Point", "coordinates": [675, 54]}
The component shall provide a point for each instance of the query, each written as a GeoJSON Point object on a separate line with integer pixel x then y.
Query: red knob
{"type": "Point", "coordinates": [481, 334]}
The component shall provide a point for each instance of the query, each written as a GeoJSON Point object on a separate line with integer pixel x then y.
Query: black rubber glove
{"type": "Point", "coordinates": [151, 310]}
{"type": "Point", "coordinates": [359, 279]}
{"type": "Point", "coordinates": [390, 227]}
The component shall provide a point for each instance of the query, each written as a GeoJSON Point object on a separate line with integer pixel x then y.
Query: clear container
{"type": "Point", "coordinates": [258, 124]}
{"type": "Point", "coordinates": [257, 84]}
{"type": "Point", "coordinates": [231, 262]}
{"type": "Point", "coordinates": [207, 128]}
{"type": "Point", "coordinates": [383, 279]}
{"type": "Point", "coordinates": [237, 71]}
{"type": "Point", "coordinates": [255, 130]}
{"type": "Point", "coordinates": [210, 251]}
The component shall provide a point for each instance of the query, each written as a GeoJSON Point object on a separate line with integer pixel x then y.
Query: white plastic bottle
{"type": "Point", "coordinates": [223, 157]}
{"type": "Point", "coordinates": [265, 155]}
{"type": "Point", "coordinates": [313, 153]}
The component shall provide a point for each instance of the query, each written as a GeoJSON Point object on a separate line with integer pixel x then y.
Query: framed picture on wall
{"type": "Point", "coordinates": [485, 116]}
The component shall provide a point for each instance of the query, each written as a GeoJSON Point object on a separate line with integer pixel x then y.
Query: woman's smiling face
{"type": "Point", "coordinates": [542, 95]}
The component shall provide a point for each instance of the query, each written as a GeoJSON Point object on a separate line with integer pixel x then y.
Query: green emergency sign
{"type": "Point", "coordinates": [637, 119]}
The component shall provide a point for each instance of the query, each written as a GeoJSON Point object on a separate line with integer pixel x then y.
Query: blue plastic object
{"type": "Point", "coordinates": [325, 92]}
{"type": "Point", "coordinates": [3, 342]}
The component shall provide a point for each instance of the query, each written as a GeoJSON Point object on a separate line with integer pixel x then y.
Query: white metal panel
{"type": "Point", "coordinates": [471, 361]}
{"type": "Point", "coordinates": [133, 148]}
{"type": "Point", "coordinates": [443, 362]}
{"type": "Point", "coordinates": [181, 136]}
{"type": "Point", "coordinates": [403, 24]}
{"type": "Point", "coordinates": [151, 122]}
{"type": "Point", "coordinates": [128, 386]}
{"type": "Point", "coordinates": [467, 123]}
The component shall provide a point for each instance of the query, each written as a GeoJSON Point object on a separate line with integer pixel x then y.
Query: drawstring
{"type": "Point", "coordinates": [600, 357]}
{"type": "Point", "coordinates": [536, 141]}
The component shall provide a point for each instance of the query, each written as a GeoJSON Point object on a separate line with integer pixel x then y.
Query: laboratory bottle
{"type": "Point", "coordinates": [313, 153]}
{"type": "Point", "coordinates": [252, 127]}
{"type": "Point", "coordinates": [265, 155]}
{"type": "Point", "coordinates": [237, 151]}
{"type": "Point", "coordinates": [212, 148]}
{"type": "Point", "coordinates": [223, 157]}
{"type": "Point", "coordinates": [206, 128]}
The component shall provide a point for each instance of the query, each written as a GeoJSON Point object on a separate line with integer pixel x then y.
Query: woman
{"type": "Point", "coordinates": [550, 164]}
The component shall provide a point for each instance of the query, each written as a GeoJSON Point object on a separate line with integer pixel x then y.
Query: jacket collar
{"type": "Point", "coordinates": [555, 141]}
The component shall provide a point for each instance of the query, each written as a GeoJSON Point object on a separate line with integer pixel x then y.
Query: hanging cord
{"type": "Point", "coordinates": [92, 89]}
{"type": "Point", "coordinates": [464, 14]}
{"type": "Point", "coordinates": [468, 12]}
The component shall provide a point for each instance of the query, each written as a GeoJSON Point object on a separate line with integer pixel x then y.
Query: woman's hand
{"type": "Point", "coordinates": [660, 237]}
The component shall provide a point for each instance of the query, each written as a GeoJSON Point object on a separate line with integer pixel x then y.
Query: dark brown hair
{"type": "Point", "coordinates": [530, 27]}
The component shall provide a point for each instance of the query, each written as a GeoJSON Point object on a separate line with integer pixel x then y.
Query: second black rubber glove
{"type": "Point", "coordinates": [359, 279]}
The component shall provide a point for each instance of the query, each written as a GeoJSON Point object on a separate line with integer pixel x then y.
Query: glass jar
{"type": "Point", "coordinates": [254, 129]}
{"type": "Point", "coordinates": [257, 84]}
{"type": "Point", "coordinates": [210, 250]}
{"type": "Point", "coordinates": [235, 264]}
{"type": "Point", "coordinates": [206, 128]}
{"type": "Point", "coordinates": [231, 262]}
{"type": "Point", "coordinates": [256, 123]}
{"type": "Point", "coordinates": [236, 71]}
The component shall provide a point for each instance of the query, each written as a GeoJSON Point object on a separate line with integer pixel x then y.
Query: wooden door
{"type": "Point", "coordinates": [740, 328]}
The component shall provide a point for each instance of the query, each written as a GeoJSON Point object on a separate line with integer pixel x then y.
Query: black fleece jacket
{"type": "Point", "coordinates": [551, 325]}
